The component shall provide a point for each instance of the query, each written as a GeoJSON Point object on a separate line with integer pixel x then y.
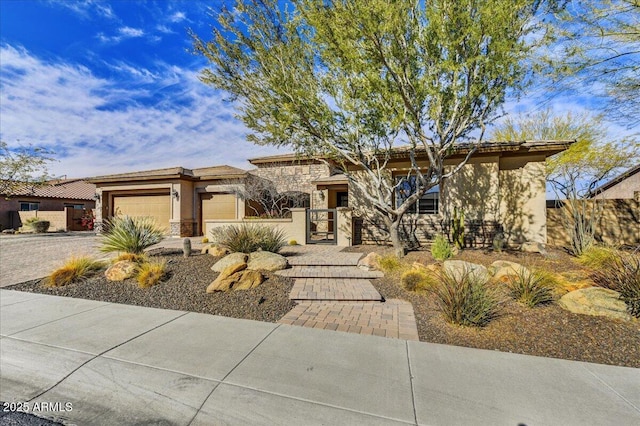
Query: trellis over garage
{"type": "Point", "coordinates": [503, 184]}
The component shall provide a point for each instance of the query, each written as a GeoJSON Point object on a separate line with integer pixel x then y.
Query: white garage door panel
{"type": "Point", "coordinates": [155, 206]}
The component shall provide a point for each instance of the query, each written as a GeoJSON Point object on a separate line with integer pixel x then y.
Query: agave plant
{"type": "Point", "coordinates": [130, 234]}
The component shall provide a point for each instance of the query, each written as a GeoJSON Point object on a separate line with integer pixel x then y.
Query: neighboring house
{"type": "Point", "coordinates": [624, 186]}
{"type": "Point", "coordinates": [55, 196]}
{"type": "Point", "coordinates": [502, 187]}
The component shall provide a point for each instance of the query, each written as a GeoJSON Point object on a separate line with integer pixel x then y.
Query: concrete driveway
{"type": "Point", "coordinates": [31, 256]}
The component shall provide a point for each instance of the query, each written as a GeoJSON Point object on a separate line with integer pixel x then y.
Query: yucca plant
{"type": "Point", "coordinates": [246, 238]}
{"type": "Point", "coordinates": [151, 273]}
{"type": "Point", "coordinates": [130, 234]}
{"type": "Point", "coordinates": [529, 288]}
{"type": "Point", "coordinates": [466, 298]}
{"type": "Point", "coordinates": [75, 269]}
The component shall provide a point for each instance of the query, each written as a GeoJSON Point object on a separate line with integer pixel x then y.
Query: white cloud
{"type": "Point", "coordinates": [130, 32]}
{"type": "Point", "coordinates": [100, 126]}
{"type": "Point", "coordinates": [84, 8]}
{"type": "Point", "coordinates": [178, 17]}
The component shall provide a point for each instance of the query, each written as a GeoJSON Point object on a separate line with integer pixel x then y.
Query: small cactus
{"type": "Point", "coordinates": [186, 247]}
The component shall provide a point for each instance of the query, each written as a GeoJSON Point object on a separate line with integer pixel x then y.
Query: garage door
{"type": "Point", "coordinates": [218, 206]}
{"type": "Point", "coordinates": [156, 206]}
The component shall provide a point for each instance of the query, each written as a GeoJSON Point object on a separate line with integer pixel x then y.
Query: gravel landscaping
{"type": "Point", "coordinates": [184, 290]}
{"type": "Point", "coordinates": [546, 331]}
{"type": "Point", "coordinates": [542, 331]}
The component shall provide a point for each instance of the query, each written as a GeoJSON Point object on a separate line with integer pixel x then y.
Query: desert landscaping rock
{"type": "Point", "coordinates": [248, 280]}
{"type": "Point", "coordinates": [214, 250]}
{"type": "Point", "coordinates": [228, 260]}
{"type": "Point", "coordinates": [459, 267]}
{"type": "Point", "coordinates": [227, 278]}
{"type": "Point", "coordinates": [532, 247]}
{"type": "Point", "coordinates": [502, 269]}
{"type": "Point", "coordinates": [370, 262]}
{"type": "Point", "coordinates": [121, 270]}
{"type": "Point", "coordinates": [267, 261]}
{"type": "Point", "coordinates": [595, 301]}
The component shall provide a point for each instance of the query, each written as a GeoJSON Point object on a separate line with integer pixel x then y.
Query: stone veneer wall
{"type": "Point", "coordinates": [296, 177]}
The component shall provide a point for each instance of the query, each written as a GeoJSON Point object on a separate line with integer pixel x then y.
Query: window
{"type": "Point", "coordinates": [26, 206]}
{"type": "Point", "coordinates": [428, 204]}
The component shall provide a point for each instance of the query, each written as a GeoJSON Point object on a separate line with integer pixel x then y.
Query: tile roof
{"type": "Point", "coordinates": [214, 172]}
{"type": "Point", "coordinates": [548, 147]}
{"type": "Point", "coordinates": [77, 189]}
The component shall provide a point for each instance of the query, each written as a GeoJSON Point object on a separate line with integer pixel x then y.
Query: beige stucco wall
{"type": "Point", "coordinates": [522, 195]}
{"type": "Point", "coordinates": [509, 191]}
{"type": "Point", "coordinates": [623, 190]}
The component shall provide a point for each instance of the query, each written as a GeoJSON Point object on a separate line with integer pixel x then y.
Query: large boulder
{"type": "Point", "coordinates": [267, 261]}
{"type": "Point", "coordinates": [595, 301]}
{"type": "Point", "coordinates": [533, 247]}
{"type": "Point", "coordinates": [214, 250]}
{"type": "Point", "coordinates": [248, 279]}
{"type": "Point", "coordinates": [501, 270]}
{"type": "Point", "coordinates": [121, 270]}
{"type": "Point", "coordinates": [370, 262]}
{"type": "Point", "coordinates": [228, 260]}
{"type": "Point", "coordinates": [457, 268]}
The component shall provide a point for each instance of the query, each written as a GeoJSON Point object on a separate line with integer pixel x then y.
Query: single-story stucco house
{"type": "Point", "coordinates": [624, 186]}
{"type": "Point", "coordinates": [502, 186]}
{"type": "Point", "coordinates": [55, 196]}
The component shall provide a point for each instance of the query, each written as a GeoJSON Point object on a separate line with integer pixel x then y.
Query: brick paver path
{"type": "Point", "coordinates": [334, 294]}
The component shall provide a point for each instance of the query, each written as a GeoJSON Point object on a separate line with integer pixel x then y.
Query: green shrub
{"type": "Point", "coordinates": [622, 274]}
{"type": "Point", "coordinates": [38, 226]}
{"type": "Point", "coordinates": [249, 238]}
{"type": "Point", "coordinates": [416, 280]}
{"type": "Point", "coordinates": [75, 269]}
{"type": "Point", "coordinates": [597, 257]}
{"type": "Point", "coordinates": [389, 263]}
{"type": "Point", "coordinates": [530, 288]}
{"type": "Point", "coordinates": [466, 299]}
{"type": "Point", "coordinates": [151, 273]}
{"type": "Point", "coordinates": [130, 234]}
{"type": "Point", "coordinates": [441, 249]}
{"type": "Point", "coordinates": [293, 243]}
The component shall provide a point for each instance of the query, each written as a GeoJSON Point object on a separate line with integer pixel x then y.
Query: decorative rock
{"type": "Point", "coordinates": [502, 269]}
{"type": "Point", "coordinates": [370, 262]}
{"type": "Point", "coordinates": [214, 250]}
{"type": "Point", "coordinates": [205, 249]}
{"type": "Point", "coordinates": [121, 270]}
{"type": "Point", "coordinates": [249, 279]}
{"type": "Point", "coordinates": [231, 259]}
{"type": "Point", "coordinates": [533, 247]}
{"type": "Point", "coordinates": [232, 269]}
{"type": "Point", "coordinates": [9, 231]}
{"type": "Point", "coordinates": [227, 278]}
{"type": "Point", "coordinates": [457, 268]}
{"type": "Point", "coordinates": [595, 301]}
{"type": "Point", "coordinates": [267, 261]}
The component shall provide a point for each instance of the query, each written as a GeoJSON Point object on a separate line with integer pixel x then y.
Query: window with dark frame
{"type": "Point", "coordinates": [429, 203]}
{"type": "Point", "coordinates": [26, 206]}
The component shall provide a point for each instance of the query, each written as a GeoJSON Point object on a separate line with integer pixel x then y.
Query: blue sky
{"type": "Point", "coordinates": [111, 86]}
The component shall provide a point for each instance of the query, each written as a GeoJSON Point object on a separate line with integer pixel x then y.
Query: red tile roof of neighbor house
{"type": "Point", "coordinates": [76, 189]}
{"type": "Point", "coordinates": [204, 173]}
{"type": "Point", "coordinates": [548, 148]}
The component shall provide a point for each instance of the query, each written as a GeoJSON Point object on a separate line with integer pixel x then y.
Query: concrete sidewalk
{"type": "Point", "coordinates": [116, 364]}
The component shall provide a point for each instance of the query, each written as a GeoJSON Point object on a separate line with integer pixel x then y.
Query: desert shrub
{"type": "Point", "coordinates": [249, 238]}
{"type": "Point", "coordinates": [596, 257]}
{"type": "Point", "coordinates": [293, 243]}
{"type": "Point", "coordinates": [131, 257]}
{"type": "Point", "coordinates": [622, 274]}
{"type": "Point", "coordinates": [75, 269]}
{"type": "Point", "coordinates": [151, 273]}
{"type": "Point", "coordinates": [530, 288]}
{"type": "Point", "coordinates": [130, 234]}
{"type": "Point", "coordinates": [441, 249]}
{"type": "Point", "coordinates": [205, 240]}
{"type": "Point", "coordinates": [466, 299]}
{"type": "Point", "coordinates": [37, 225]}
{"type": "Point", "coordinates": [389, 263]}
{"type": "Point", "coordinates": [416, 280]}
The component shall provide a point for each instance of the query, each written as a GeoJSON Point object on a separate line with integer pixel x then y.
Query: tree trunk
{"type": "Point", "coordinates": [394, 236]}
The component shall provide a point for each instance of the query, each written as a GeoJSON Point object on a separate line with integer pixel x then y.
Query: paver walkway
{"type": "Point", "coordinates": [334, 294]}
